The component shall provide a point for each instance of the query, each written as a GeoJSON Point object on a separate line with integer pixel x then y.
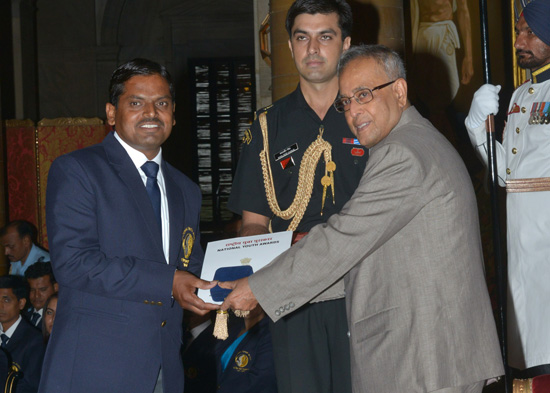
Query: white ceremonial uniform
{"type": "Point", "coordinates": [525, 153]}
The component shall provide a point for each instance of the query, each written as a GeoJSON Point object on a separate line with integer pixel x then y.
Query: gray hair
{"type": "Point", "coordinates": [387, 58]}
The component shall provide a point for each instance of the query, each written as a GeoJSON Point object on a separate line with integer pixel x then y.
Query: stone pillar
{"type": "Point", "coordinates": [283, 72]}
{"type": "Point", "coordinates": [263, 68]}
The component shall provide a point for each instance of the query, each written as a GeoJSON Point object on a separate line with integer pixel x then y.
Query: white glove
{"type": "Point", "coordinates": [485, 102]}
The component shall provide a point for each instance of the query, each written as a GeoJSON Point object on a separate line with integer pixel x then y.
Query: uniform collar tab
{"type": "Point", "coordinates": [541, 75]}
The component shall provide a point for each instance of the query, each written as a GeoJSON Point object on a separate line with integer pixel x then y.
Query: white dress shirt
{"type": "Point", "coordinates": [138, 158]}
{"type": "Point", "coordinates": [12, 328]}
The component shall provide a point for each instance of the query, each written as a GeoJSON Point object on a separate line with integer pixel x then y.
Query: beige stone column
{"type": "Point", "coordinates": [263, 67]}
{"type": "Point", "coordinates": [283, 72]}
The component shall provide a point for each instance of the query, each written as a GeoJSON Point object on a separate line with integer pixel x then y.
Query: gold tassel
{"type": "Point", "coordinates": [325, 181]}
{"type": "Point", "coordinates": [220, 326]}
{"type": "Point", "coordinates": [522, 385]}
{"type": "Point", "coordinates": [331, 167]}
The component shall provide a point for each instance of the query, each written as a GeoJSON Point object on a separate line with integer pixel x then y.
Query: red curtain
{"type": "Point", "coordinates": [30, 153]}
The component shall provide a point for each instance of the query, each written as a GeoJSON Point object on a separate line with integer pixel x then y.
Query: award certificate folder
{"type": "Point", "coordinates": [231, 259]}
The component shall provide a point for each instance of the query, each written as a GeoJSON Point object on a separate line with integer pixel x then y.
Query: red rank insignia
{"type": "Point", "coordinates": [287, 163]}
{"type": "Point", "coordinates": [515, 109]}
{"type": "Point", "coordinates": [358, 152]}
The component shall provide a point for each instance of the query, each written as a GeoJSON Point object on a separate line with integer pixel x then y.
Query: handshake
{"type": "Point", "coordinates": [485, 103]}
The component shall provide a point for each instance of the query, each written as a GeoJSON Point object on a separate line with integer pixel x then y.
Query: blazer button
{"type": "Point", "coordinates": [281, 309]}
{"type": "Point", "coordinates": [287, 307]}
{"type": "Point", "coordinates": [291, 304]}
{"type": "Point", "coordinates": [508, 171]}
{"type": "Point", "coordinates": [523, 110]}
{"type": "Point", "coordinates": [514, 150]}
{"type": "Point", "coordinates": [517, 130]}
{"type": "Point", "coordinates": [146, 301]}
{"type": "Point", "coordinates": [277, 312]}
{"type": "Point", "coordinates": [159, 303]}
{"type": "Point", "coordinates": [163, 324]}
{"type": "Point", "coordinates": [531, 90]}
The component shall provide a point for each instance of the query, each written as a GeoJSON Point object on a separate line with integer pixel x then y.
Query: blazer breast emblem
{"type": "Point", "coordinates": [187, 241]}
{"type": "Point", "coordinates": [241, 361]}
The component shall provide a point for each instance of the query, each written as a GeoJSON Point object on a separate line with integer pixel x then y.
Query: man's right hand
{"type": "Point", "coordinates": [484, 103]}
{"type": "Point", "coordinates": [183, 290]}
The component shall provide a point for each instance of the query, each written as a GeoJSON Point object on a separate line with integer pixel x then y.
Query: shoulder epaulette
{"type": "Point", "coordinates": [247, 136]}
{"type": "Point", "coordinates": [261, 110]}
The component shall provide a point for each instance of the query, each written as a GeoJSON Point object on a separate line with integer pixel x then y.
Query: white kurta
{"type": "Point", "coordinates": [525, 153]}
{"type": "Point", "coordinates": [440, 41]}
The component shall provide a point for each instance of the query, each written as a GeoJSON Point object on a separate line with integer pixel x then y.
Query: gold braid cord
{"type": "Point", "coordinates": [306, 176]}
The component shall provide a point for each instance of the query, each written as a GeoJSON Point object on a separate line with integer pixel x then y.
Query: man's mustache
{"type": "Point", "coordinates": [313, 58]}
{"type": "Point", "coordinates": [526, 52]}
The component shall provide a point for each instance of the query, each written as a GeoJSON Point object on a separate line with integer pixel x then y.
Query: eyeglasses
{"type": "Point", "coordinates": [362, 96]}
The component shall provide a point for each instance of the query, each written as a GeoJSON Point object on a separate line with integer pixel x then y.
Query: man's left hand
{"type": "Point", "coordinates": [241, 298]}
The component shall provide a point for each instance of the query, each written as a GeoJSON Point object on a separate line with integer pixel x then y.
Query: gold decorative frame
{"type": "Point", "coordinates": [14, 123]}
{"type": "Point", "coordinates": [70, 121]}
{"type": "Point", "coordinates": [265, 46]}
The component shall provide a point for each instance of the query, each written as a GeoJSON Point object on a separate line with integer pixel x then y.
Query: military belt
{"type": "Point", "coordinates": [528, 185]}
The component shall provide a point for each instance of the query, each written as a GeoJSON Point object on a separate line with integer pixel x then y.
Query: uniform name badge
{"type": "Point", "coordinates": [286, 152]}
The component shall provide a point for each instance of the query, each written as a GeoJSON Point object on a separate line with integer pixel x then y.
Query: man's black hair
{"type": "Point", "coordinates": [16, 284]}
{"type": "Point", "coordinates": [133, 68]}
{"type": "Point", "coordinates": [40, 269]}
{"type": "Point", "coordinates": [24, 228]}
{"type": "Point", "coordinates": [325, 7]}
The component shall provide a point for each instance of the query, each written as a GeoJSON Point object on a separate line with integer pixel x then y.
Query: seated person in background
{"type": "Point", "coordinates": [18, 238]}
{"type": "Point", "coordinates": [245, 359]}
{"type": "Point", "coordinates": [198, 354]}
{"type": "Point", "coordinates": [49, 316]}
{"type": "Point", "coordinates": [42, 285]}
{"type": "Point", "coordinates": [19, 338]}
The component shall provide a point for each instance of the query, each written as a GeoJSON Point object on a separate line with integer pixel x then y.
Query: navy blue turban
{"type": "Point", "coordinates": [537, 16]}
